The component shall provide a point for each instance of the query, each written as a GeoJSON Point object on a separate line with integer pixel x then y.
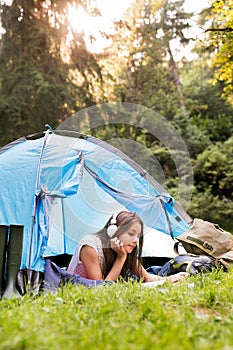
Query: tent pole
{"type": "Point", "coordinates": [81, 161]}
{"type": "Point", "coordinates": [35, 200]}
{"type": "Point", "coordinates": [64, 226]}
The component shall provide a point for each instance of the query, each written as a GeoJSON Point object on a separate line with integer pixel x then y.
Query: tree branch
{"type": "Point", "coordinates": [227, 29]}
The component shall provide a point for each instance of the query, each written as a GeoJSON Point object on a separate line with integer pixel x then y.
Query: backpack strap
{"type": "Point", "coordinates": [188, 262]}
{"type": "Point", "coordinates": [175, 248]}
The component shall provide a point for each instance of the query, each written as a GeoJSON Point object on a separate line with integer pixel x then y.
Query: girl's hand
{"type": "Point", "coordinates": [118, 247]}
{"type": "Point", "coordinates": [177, 277]}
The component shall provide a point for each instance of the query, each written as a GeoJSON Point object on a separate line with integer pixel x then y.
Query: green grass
{"type": "Point", "coordinates": [194, 314]}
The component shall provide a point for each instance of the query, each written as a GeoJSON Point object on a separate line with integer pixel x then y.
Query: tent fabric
{"type": "Point", "coordinates": [64, 185]}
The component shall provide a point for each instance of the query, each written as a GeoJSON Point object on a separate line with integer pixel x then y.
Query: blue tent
{"type": "Point", "coordinates": [61, 185]}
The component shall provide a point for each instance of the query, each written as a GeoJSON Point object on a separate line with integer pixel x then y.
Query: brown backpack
{"type": "Point", "coordinates": [206, 238]}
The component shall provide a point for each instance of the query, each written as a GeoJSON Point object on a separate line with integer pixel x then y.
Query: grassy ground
{"type": "Point", "coordinates": [194, 314]}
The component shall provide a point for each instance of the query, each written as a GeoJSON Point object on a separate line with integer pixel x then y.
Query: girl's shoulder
{"type": "Point", "coordinates": [91, 240]}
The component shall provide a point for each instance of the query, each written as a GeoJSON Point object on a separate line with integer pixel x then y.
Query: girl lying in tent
{"type": "Point", "coordinates": [115, 252]}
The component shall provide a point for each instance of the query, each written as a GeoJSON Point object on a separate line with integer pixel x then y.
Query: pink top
{"type": "Point", "coordinates": [76, 265]}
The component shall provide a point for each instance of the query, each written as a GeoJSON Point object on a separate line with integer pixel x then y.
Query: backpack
{"type": "Point", "coordinates": [188, 263]}
{"type": "Point", "coordinates": [206, 238]}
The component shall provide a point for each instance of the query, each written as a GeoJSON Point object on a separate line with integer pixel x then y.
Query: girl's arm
{"type": "Point", "coordinates": [148, 277]}
{"type": "Point", "coordinates": [90, 260]}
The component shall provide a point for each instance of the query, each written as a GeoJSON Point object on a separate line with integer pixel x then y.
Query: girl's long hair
{"type": "Point", "coordinates": [124, 221]}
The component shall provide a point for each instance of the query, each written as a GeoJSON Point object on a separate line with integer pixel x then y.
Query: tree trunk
{"type": "Point", "coordinates": [177, 81]}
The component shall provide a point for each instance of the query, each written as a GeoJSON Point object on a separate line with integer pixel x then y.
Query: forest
{"type": "Point", "coordinates": [53, 67]}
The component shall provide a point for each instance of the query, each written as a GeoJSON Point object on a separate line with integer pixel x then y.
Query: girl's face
{"type": "Point", "coordinates": [130, 238]}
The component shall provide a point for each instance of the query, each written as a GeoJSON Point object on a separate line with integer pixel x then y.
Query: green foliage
{"type": "Point", "coordinates": [35, 81]}
{"type": "Point", "coordinates": [213, 175]}
{"type": "Point", "coordinates": [208, 112]}
{"type": "Point", "coordinates": [196, 138]}
{"type": "Point", "coordinates": [193, 314]}
{"type": "Point", "coordinates": [220, 37]}
{"type": "Point", "coordinates": [212, 208]}
{"type": "Point", "coordinates": [147, 77]}
{"type": "Point", "coordinates": [32, 74]}
{"type": "Point", "coordinates": [214, 169]}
